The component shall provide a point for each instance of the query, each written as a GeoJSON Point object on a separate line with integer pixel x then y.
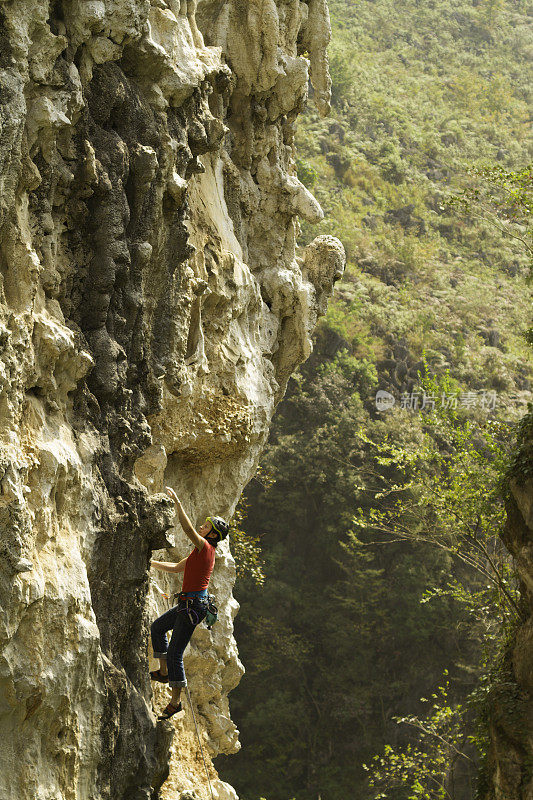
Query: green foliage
{"type": "Point", "coordinates": [306, 173]}
{"type": "Point", "coordinates": [246, 549]}
{"type": "Point", "coordinates": [360, 372]}
{"type": "Point", "coordinates": [521, 466]}
{"type": "Point", "coordinates": [342, 71]}
{"type": "Point", "coordinates": [448, 735]}
{"type": "Point", "coordinates": [504, 198]}
{"type": "Point", "coordinates": [451, 494]}
{"type": "Point", "coordinates": [490, 10]}
{"type": "Point", "coordinates": [421, 93]}
{"type": "Point", "coordinates": [424, 767]}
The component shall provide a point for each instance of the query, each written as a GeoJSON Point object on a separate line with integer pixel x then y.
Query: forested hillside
{"type": "Point", "coordinates": [376, 525]}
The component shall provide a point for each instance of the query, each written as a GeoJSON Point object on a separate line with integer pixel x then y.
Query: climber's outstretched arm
{"type": "Point", "coordinates": [197, 540]}
{"type": "Point", "coordinates": [168, 566]}
{"type": "Point", "coordinates": [180, 566]}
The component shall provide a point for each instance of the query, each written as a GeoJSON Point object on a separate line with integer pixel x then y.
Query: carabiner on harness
{"type": "Point", "coordinates": [191, 613]}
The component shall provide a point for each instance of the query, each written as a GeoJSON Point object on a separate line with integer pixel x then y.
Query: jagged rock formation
{"type": "Point", "coordinates": [152, 307]}
{"type": "Point", "coordinates": [509, 772]}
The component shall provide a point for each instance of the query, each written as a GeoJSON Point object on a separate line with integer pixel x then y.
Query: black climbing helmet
{"type": "Point", "coordinates": [220, 526]}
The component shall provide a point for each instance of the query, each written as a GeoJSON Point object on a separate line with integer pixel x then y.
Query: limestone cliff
{"type": "Point", "coordinates": [152, 308]}
{"type": "Point", "coordinates": [509, 772]}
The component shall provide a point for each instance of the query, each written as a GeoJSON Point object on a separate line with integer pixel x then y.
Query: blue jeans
{"type": "Point", "coordinates": [182, 620]}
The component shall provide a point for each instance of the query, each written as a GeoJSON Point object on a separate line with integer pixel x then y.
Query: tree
{"type": "Point", "coordinates": [451, 497]}
{"type": "Point", "coordinates": [502, 197]}
{"type": "Point", "coordinates": [425, 767]}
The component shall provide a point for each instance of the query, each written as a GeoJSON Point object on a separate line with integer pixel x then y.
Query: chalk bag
{"type": "Point", "coordinates": [212, 612]}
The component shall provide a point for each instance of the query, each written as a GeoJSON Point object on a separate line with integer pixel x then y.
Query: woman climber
{"type": "Point", "coordinates": [192, 603]}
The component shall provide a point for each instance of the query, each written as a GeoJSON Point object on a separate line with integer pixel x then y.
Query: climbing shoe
{"type": "Point", "coordinates": [158, 676]}
{"type": "Point", "coordinates": [170, 710]}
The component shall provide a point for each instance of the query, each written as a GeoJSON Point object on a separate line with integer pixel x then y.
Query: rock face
{"type": "Point", "coordinates": [510, 702]}
{"type": "Point", "coordinates": [152, 308]}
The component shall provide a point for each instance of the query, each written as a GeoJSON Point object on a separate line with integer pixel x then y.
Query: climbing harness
{"type": "Point", "coordinates": [207, 600]}
{"type": "Point", "coordinates": [199, 742]}
{"type": "Point", "coordinates": [188, 598]}
{"type": "Point", "coordinates": [212, 610]}
{"type": "Point", "coordinates": [194, 619]}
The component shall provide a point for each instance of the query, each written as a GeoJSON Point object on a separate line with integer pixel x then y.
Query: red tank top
{"type": "Point", "coordinates": [198, 569]}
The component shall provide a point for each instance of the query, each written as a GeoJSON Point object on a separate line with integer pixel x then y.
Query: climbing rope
{"type": "Point", "coordinates": [159, 589]}
{"type": "Point", "coordinates": [199, 742]}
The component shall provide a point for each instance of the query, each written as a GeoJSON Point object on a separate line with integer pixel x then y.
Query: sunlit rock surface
{"type": "Point", "coordinates": [152, 308]}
